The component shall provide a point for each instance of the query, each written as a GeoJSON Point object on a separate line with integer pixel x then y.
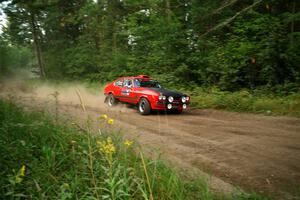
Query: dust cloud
{"type": "Point", "coordinates": [45, 91]}
{"type": "Point", "coordinates": [65, 92]}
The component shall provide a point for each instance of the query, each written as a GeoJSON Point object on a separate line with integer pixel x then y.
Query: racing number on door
{"type": "Point", "coordinates": [126, 88]}
{"type": "Point", "coordinates": [125, 92]}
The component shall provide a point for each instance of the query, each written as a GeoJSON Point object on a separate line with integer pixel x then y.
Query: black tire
{"type": "Point", "coordinates": [111, 100]}
{"type": "Point", "coordinates": [144, 107]}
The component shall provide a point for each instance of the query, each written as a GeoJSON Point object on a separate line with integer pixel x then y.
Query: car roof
{"type": "Point", "coordinates": [144, 77]}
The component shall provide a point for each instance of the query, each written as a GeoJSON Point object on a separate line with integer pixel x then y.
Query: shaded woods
{"type": "Point", "coordinates": [229, 44]}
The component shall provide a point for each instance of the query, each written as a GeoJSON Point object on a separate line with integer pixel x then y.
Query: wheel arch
{"type": "Point", "coordinates": [106, 95]}
{"type": "Point", "coordinates": [145, 97]}
{"type": "Point", "coordinates": [146, 109]}
{"type": "Point", "coordinates": [113, 93]}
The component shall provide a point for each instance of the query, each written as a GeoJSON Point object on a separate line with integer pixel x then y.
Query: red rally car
{"type": "Point", "coordinates": [146, 93]}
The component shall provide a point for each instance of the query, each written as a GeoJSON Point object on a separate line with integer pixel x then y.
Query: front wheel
{"type": "Point", "coordinates": [144, 106]}
{"type": "Point", "coordinates": [111, 100]}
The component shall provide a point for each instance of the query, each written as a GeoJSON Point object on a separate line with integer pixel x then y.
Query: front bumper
{"type": "Point", "coordinates": [165, 105]}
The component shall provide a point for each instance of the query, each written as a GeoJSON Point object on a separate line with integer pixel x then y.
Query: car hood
{"type": "Point", "coordinates": [167, 92]}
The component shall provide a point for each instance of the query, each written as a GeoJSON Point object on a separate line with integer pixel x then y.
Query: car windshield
{"type": "Point", "coordinates": [146, 83]}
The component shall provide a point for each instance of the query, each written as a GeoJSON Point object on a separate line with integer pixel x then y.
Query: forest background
{"type": "Point", "coordinates": [217, 46]}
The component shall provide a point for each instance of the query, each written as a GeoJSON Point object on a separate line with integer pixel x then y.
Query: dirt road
{"type": "Point", "coordinates": [256, 153]}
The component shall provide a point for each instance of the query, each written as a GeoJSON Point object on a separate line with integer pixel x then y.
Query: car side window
{"type": "Point", "coordinates": [128, 83]}
{"type": "Point", "coordinates": [119, 83]}
{"type": "Point", "coordinates": [137, 83]}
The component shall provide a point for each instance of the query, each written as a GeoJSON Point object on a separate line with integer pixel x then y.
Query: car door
{"type": "Point", "coordinates": [118, 85]}
{"type": "Point", "coordinates": [128, 91]}
{"type": "Point", "coordinates": [133, 95]}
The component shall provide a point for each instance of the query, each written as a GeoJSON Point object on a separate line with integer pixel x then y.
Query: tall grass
{"type": "Point", "coordinates": [42, 160]}
{"type": "Point", "coordinates": [247, 101]}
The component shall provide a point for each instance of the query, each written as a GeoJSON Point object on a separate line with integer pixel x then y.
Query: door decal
{"type": "Point", "coordinates": [125, 92]}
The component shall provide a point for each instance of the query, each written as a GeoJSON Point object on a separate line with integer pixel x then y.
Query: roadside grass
{"type": "Point", "coordinates": [246, 101]}
{"type": "Point", "coordinates": [43, 160]}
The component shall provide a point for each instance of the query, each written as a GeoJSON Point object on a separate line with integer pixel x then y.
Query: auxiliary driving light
{"type": "Point", "coordinates": [184, 106]}
{"type": "Point", "coordinates": [161, 97]}
{"type": "Point", "coordinates": [169, 106]}
{"type": "Point", "coordinates": [170, 99]}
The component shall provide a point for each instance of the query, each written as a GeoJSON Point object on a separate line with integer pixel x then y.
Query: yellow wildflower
{"type": "Point", "coordinates": [104, 116]}
{"type": "Point", "coordinates": [110, 121]}
{"type": "Point", "coordinates": [72, 142]}
{"type": "Point", "coordinates": [22, 170]}
{"type": "Point", "coordinates": [66, 186]}
{"type": "Point", "coordinates": [21, 174]}
{"type": "Point", "coordinates": [19, 179]}
{"type": "Point", "coordinates": [107, 146]}
{"type": "Point", "coordinates": [128, 143]}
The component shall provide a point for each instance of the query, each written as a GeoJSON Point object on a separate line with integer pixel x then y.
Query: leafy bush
{"type": "Point", "coordinates": [245, 101]}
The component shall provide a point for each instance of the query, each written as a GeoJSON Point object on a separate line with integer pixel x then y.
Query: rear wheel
{"type": "Point", "coordinates": [111, 100]}
{"type": "Point", "coordinates": [144, 106]}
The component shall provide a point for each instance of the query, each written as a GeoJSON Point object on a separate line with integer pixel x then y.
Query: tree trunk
{"type": "Point", "coordinates": [168, 11]}
{"type": "Point", "coordinates": [37, 45]}
{"type": "Point", "coordinates": [98, 33]}
{"type": "Point", "coordinates": [293, 21]}
{"type": "Point", "coordinates": [112, 26]}
{"type": "Point", "coordinates": [2, 61]}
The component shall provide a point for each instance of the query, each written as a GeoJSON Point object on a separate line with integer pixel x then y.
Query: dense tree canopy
{"type": "Point", "coordinates": [232, 44]}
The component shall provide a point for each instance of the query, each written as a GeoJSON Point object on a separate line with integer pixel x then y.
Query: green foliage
{"type": "Point", "coordinates": [13, 57]}
{"type": "Point", "coordinates": [259, 101]}
{"type": "Point", "coordinates": [106, 39]}
{"type": "Point", "coordinates": [249, 58]}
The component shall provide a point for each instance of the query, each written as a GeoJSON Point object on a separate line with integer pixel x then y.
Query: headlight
{"type": "Point", "coordinates": [161, 97]}
{"type": "Point", "coordinates": [170, 99]}
{"type": "Point", "coordinates": [183, 99]}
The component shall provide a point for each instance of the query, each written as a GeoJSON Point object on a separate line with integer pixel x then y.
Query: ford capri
{"type": "Point", "coordinates": [145, 93]}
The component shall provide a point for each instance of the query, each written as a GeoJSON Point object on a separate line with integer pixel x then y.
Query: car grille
{"type": "Point", "coordinates": [177, 99]}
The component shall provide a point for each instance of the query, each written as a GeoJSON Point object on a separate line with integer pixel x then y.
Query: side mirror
{"type": "Point", "coordinates": [119, 84]}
